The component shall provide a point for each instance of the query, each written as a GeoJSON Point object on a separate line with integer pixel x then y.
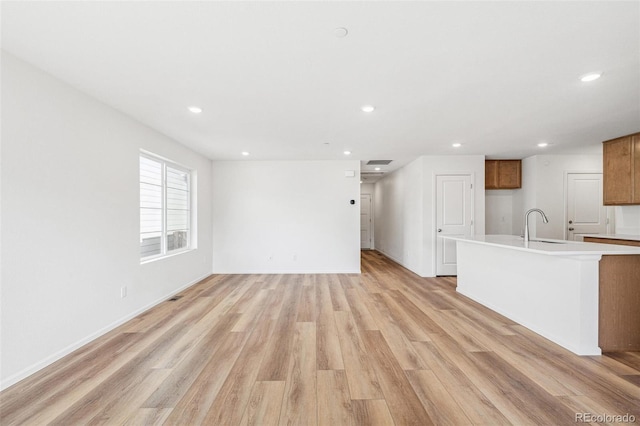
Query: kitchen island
{"type": "Point", "coordinates": [551, 287]}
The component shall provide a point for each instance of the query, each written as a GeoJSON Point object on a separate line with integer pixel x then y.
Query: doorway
{"type": "Point", "coordinates": [365, 222]}
{"type": "Point", "coordinates": [454, 217]}
{"type": "Point", "coordinates": [585, 213]}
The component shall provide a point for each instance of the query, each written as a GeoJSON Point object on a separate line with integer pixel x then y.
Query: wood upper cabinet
{"type": "Point", "coordinates": [636, 168]}
{"type": "Point", "coordinates": [502, 174]}
{"type": "Point", "coordinates": [621, 170]}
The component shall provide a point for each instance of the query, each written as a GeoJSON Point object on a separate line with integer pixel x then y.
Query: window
{"type": "Point", "coordinates": [165, 207]}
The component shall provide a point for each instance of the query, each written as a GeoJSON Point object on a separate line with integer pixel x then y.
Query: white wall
{"type": "Point", "coordinates": [627, 220]}
{"type": "Point", "coordinates": [544, 186]}
{"type": "Point", "coordinates": [499, 211]}
{"type": "Point", "coordinates": [399, 216]}
{"type": "Point", "coordinates": [552, 186]}
{"type": "Point", "coordinates": [367, 188]}
{"type": "Point", "coordinates": [405, 212]}
{"type": "Point", "coordinates": [70, 220]}
{"type": "Point", "coordinates": [525, 197]}
{"type": "Point", "coordinates": [286, 217]}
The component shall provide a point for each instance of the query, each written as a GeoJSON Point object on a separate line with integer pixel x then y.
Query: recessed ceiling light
{"type": "Point", "coordinates": [195, 109]}
{"type": "Point", "coordinates": [340, 32]}
{"type": "Point", "coordinates": [591, 76]}
{"type": "Point", "coordinates": [360, 181]}
{"type": "Point", "coordinates": [456, 145]}
{"type": "Point", "coordinates": [245, 153]}
{"type": "Point", "coordinates": [542, 144]}
{"type": "Point", "coordinates": [368, 108]}
{"type": "Point", "coordinates": [347, 153]}
{"type": "Point", "coordinates": [376, 169]}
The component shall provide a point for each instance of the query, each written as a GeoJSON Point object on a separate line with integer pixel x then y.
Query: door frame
{"type": "Point", "coordinates": [372, 241]}
{"type": "Point", "coordinates": [434, 211]}
{"type": "Point", "coordinates": [610, 212]}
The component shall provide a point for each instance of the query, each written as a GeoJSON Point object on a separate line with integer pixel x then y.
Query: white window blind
{"type": "Point", "coordinates": [165, 207]}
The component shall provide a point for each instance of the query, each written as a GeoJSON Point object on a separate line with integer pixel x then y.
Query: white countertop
{"type": "Point", "coordinates": [559, 248]}
{"type": "Point", "coordinates": [615, 237]}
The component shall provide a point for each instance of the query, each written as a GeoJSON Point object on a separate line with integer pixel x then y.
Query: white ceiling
{"type": "Point", "coordinates": [274, 80]}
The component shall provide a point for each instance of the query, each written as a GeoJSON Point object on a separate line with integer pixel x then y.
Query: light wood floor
{"type": "Point", "coordinates": [384, 347]}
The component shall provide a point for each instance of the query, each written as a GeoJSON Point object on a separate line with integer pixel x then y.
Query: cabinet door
{"type": "Point", "coordinates": [612, 241]}
{"type": "Point", "coordinates": [491, 174]}
{"type": "Point", "coordinates": [635, 169]}
{"type": "Point", "coordinates": [618, 171]}
{"type": "Point", "coordinates": [509, 174]}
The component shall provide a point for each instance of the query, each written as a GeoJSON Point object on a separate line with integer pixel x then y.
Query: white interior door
{"type": "Point", "coordinates": [454, 216]}
{"type": "Point", "coordinates": [365, 221]}
{"type": "Point", "coordinates": [585, 212]}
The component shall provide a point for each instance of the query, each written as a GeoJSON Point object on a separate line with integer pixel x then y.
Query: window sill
{"type": "Point", "coordinates": [165, 256]}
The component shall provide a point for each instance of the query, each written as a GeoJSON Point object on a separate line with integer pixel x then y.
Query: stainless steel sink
{"type": "Point", "coordinates": [548, 242]}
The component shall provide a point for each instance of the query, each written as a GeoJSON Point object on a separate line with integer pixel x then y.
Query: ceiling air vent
{"type": "Point", "coordinates": [378, 162]}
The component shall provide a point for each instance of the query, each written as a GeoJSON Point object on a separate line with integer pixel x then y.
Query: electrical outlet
{"type": "Point", "coordinates": [123, 292]}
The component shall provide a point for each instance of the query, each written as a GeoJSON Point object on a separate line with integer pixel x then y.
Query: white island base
{"type": "Point", "coordinates": [549, 287]}
{"type": "Point", "coordinates": [555, 296]}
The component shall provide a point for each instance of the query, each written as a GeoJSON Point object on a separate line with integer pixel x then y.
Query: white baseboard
{"type": "Point", "coordinates": [399, 262]}
{"type": "Point", "coordinates": [285, 272]}
{"type": "Point", "coordinates": [23, 374]}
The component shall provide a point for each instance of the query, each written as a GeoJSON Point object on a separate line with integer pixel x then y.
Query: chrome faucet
{"type": "Point", "coordinates": [526, 222]}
